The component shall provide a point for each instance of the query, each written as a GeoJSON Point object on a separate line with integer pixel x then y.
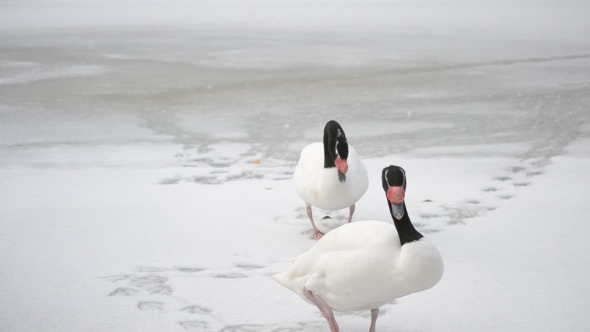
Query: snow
{"type": "Point", "coordinates": [147, 151]}
{"type": "Point", "coordinates": [109, 248]}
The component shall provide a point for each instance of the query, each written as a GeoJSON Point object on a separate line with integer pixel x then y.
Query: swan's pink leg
{"type": "Point", "coordinates": [351, 209]}
{"type": "Point", "coordinates": [374, 314]}
{"type": "Point", "coordinates": [324, 309]}
{"type": "Point", "coordinates": [316, 232]}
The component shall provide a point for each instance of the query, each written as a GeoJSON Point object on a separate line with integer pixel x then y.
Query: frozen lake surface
{"type": "Point", "coordinates": [146, 154]}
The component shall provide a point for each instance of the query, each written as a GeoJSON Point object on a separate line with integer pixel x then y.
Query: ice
{"type": "Point", "coordinates": [40, 74]}
{"type": "Point", "coordinates": [147, 151]}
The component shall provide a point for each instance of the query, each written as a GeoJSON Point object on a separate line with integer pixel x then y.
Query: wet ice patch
{"type": "Point", "coordinates": [37, 74]}
{"type": "Point", "coordinates": [18, 64]}
{"type": "Point", "coordinates": [217, 126]}
{"type": "Point", "coordinates": [500, 149]}
{"type": "Point", "coordinates": [118, 56]}
{"type": "Point", "coordinates": [85, 156]}
{"type": "Point", "coordinates": [374, 128]}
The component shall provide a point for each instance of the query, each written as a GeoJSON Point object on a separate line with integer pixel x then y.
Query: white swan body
{"type": "Point", "coordinates": [366, 264]}
{"type": "Point", "coordinates": [361, 266]}
{"type": "Point", "coordinates": [320, 187]}
{"type": "Point", "coordinates": [330, 175]}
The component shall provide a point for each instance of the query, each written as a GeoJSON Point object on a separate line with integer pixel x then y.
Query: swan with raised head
{"type": "Point", "coordinates": [366, 264]}
{"type": "Point", "coordinates": [330, 175]}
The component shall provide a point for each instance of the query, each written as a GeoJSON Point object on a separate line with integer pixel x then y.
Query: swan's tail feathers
{"type": "Point", "coordinates": [292, 283]}
{"type": "Point", "coordinates": [293, 260]}
{"type": "Point", "coordinates": [281, 278]}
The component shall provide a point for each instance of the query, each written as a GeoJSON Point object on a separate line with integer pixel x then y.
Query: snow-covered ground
{"type": "Point", "coordinates": [111, 248]}
{"type": "Point", "coordinates": [146, 154]}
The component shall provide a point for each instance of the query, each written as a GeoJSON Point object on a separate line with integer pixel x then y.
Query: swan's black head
{"type": "Point", "coordinates": [394, 183]}
{"type": "Point", "coordinates": [337, 139]}
{"type": "Point", "coordinates": [393, 176]}
{"type": "Point", "coordinates": [335, 148]}
{"type": "Point", "coordinates": [393, 179]}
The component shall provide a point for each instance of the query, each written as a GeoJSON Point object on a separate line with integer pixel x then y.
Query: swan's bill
{"type": "Point", "coordinates": [397, 210]}
{"type": "Point", "coordinates": [341, 176]}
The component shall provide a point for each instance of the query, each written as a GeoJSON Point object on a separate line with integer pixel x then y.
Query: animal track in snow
{"type": "Point", "coordinates": [188, 269]}
{"type": "Point", "coordinates": [160, 289]}
{"type": "Point", "coordinates": [207, 180]}
{"type": "Point", "coordinates": [249, 267]}
{"type": "Point", "coordinates": [242, 328]}
{"type": "Point", "coordinates": [521, 184]}
{"type": "Point", "coordinates": [502, 187]}
{"type": "Point", "coordinates": [503, 178]}
{"type": "Point", "coordinates": [534, 173]}
{"type": "Point", "coordinates": [170, 181]}
{"type": "Point", "coordinates": [116, 278]}
{"type": "Point", "coordinates": [123, 292]}
{"type": "Point", "coordinates": [154, 289]}
{"type": "Point", "coordinates": [515, 177]}
{"type": "Point", "coordinates": [429, 215]}
{"type": "Point", "coordinates": [193, 325]}
{"type": "Point", "coordinates": [308, 326]}
{"type": "Point", "coordinates": [149, 269]}
{"type": "Point", "coordinates": [516, 169]}
{"type": "Point", "coordinates": [197, 309]}
{"type": "Point", "coordinates": [149, 281]}
{"type": "Point", "coordinates": [230, 276]}
{"type": "Point", "coordinates": [150, 306]}
{"type": "Point", "coordinates": [458, 215]}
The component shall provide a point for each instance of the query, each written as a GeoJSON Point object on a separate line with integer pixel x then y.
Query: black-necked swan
{"type": "Point", "coordinates": [366, 264]}
{"type": "Point", "coordinates": [330, 175]}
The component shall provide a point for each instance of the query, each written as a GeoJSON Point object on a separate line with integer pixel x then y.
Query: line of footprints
{"type": "Point", "coordinates": [432, 218]}
{"type": "Point", "coordinates": [153, 282]}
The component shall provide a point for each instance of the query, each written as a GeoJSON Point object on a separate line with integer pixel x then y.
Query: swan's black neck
{"type": "Point", "coordinates": [335, 144]}
{"type": "Point", "coordinates": [405, 229]}
{"type": "Point", "coordinates": [329, 153]}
